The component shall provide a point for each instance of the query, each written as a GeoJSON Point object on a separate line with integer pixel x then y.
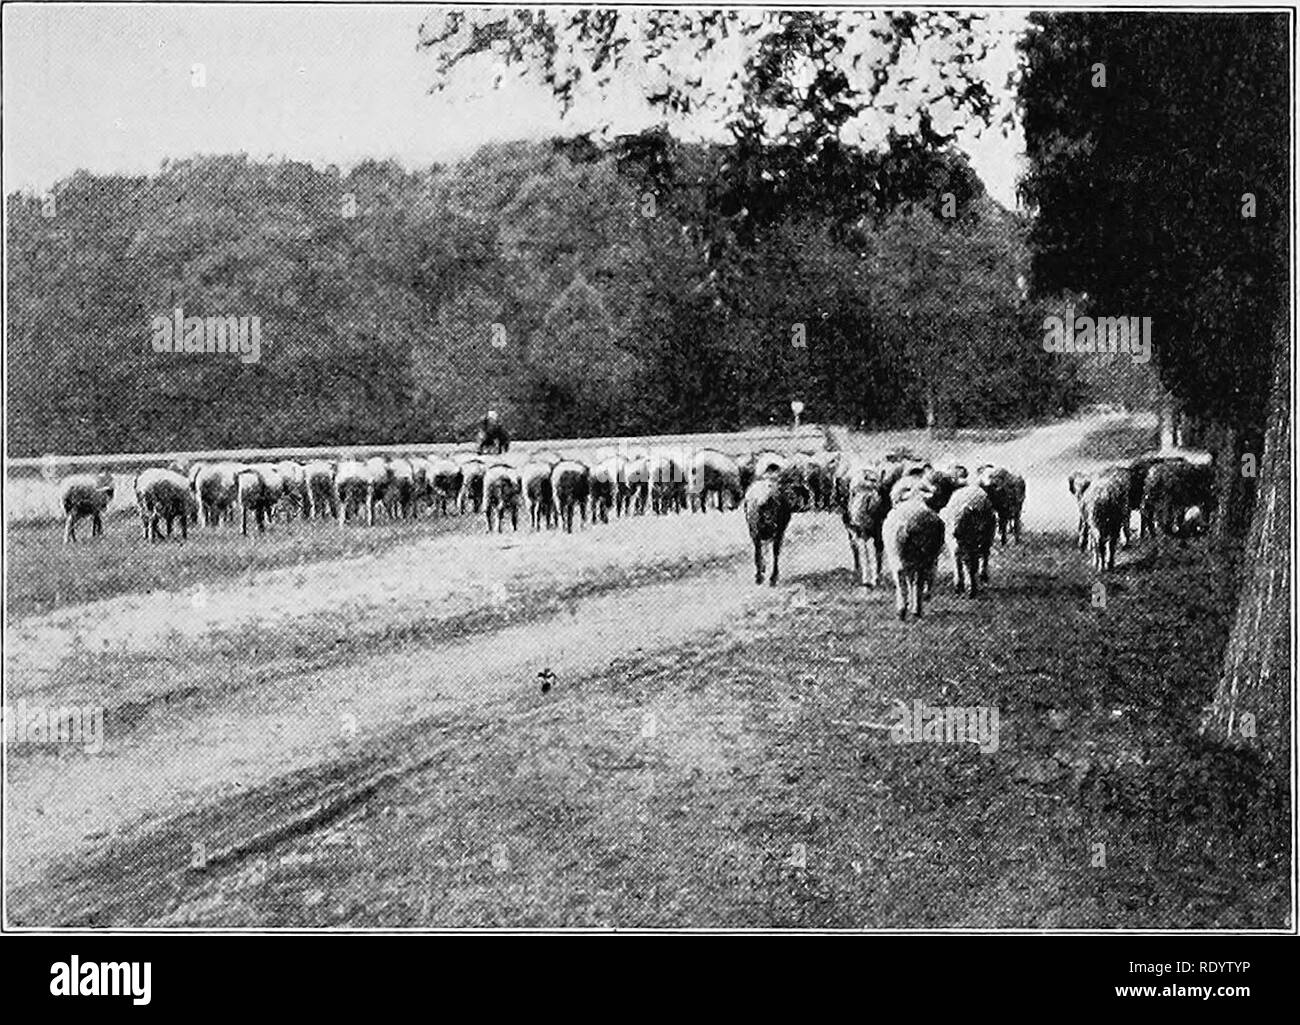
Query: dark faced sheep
{"type": "Point", "coordinates": [1105, 505]}
{"type": "Point", "coordinates": [163, 496]}
{"type": "Point", "coordinates": [1007, 490]}
{"type": "Point", "coordinates": [570, 483]}
{"type": "Point", "coordinates": [769, 503]}
{"type": "Point", "coordinates": [538, 501]}
{"type": "Point", "coordinates": [864, 514]}
{"type": "Point", "coordinates": [85, 494]}
{"type": "Point", "coordinates": [502, 487]}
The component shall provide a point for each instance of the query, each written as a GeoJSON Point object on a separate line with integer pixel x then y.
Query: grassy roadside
{"type": "Point", "coordinates": [740, 782]}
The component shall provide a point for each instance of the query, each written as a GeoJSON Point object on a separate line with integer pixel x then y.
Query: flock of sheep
{"type": "Point", "coordinates": [894, 508]}
{"type": "Point", "coordinates": [898, 509]}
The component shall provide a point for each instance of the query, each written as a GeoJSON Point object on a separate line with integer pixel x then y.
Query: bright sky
{"type": "Point", "coordinates": [108, 89]}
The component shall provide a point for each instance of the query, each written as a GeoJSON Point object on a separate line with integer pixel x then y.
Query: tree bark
{"type": "Point", "coordinates": [1252, 702]}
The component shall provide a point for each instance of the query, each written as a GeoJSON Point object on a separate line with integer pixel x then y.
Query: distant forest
{"type": "Point", "coordinates": [645, 286]}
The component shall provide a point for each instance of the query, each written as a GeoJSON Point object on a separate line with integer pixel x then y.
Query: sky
{"type": "Point", "coordinates": [110, 90]}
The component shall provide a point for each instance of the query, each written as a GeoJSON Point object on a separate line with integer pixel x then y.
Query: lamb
{"type": "Point", "coordinates": [913, 535]}
{"type": "Point", "coordinates": [399, 496]}
{"type": "Point", "coordinates": [85, 494]}
{"type": "Point", "coordinates": [769, 503]}
{"type": "Point", "coordinates": [972, 523]}
{"type": "Point", "coordinates": [163, 496]}
{"type": "Point", "coordinates": [1105, 505]}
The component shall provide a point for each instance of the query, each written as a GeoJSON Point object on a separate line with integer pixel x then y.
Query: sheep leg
{"type": "Point", "coordinates": [900, 592]}
{"type": "Point", "coordinates": [776, 558]}
{"type": "Point", "coordinates": [959, 571]}
{"type": "Point", "coordinates": [973, 569]}
{"type": "Point", "coordinates": [759, 569]}
{"type": "Point", "coordinates": [69, 529]}
{"type": "Point", "coordinates": [877, 567]}
{"type": "Point", "coordinates": [858, 571]}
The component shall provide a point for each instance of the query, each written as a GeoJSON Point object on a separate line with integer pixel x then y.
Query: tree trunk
{"type": "Point", "coordinates": [1252, 703]}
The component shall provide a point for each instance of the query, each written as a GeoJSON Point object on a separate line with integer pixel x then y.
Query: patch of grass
{"type": "Point", "coordinates": [745, 781]}
{"type": "Point", "coordinates": [45, 574]}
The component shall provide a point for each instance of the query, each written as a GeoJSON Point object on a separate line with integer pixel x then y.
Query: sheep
{"type": "Point", "coordinates": [85, 494]}
{"type": "Point", "coordinates": [294, 478]}
{"type": "Point", "coordinates": [971, 522]}
{"type": "Point", "coordinates": [421, 488]}
{"type": "Point", "coordinates": [447, 482]}
{"type": "Point", "coordinates": [933, 486]}
{"type": "Point", "coordinates": [1174, 487]}
{"type": "Point", "coordinates": [538, 501]}
{"type": "Point", "coordinates": [399, 495]}
{"type": "Point", "coordinates": [163, 496]}
{"type": "Point", "coordinates": [636, 483]}
{"type": "Point", "coordinates": [615, 467]}
{"type": "Point", "coordinates": [713, 473]}
{"type": "Point", "coordinates": [913, 535]}
{"type": "Point", "coordinates": [351, 487]}
{"type": "Point", "coordinates": [260, 488]}
{"type": "Point", "coordinates": [1139, 470]}
{"type": "Point", "coordinates": [602, 488]}
{"type": "Point", "coordinates": [473, 472]}
{"type": "Point", "coordinates": [667, 485]}
{"type": "Point", "coordinates": [769, 503]}
{"type": "Point", "coordinates": [825, 466]}
{"type": "Point", "coordinates": [216, 489]}
{"type": "Point", "coordinates": [864, 512]}
{"type": "Point", "coordinates": [318, 489]}
{"type": "Point", "coordinates": [570, 483]}
{"type": "Point", "coordinates": [379, 479]}
{"type": "Point", "coordinates": [1105, 506]}
{"type": "Point", "coordinates": [1007, 490]}
{"type": "Point", "coordinates": [1078, 482]}
{"type": "Point", "coordinates": [501, 489]}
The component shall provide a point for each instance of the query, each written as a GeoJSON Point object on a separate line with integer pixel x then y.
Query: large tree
{"type": "Point", "coordinates": [1159, 181]}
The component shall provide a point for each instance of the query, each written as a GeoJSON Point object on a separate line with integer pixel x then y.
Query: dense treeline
{"type": "Point", "coordinates": [644, 287]}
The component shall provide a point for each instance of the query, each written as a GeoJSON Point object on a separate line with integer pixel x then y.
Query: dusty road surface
{"type": "Point", "coordinates": [367, 740]}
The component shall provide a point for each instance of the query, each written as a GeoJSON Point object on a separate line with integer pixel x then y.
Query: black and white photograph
{"type": "Point", "coordinates": [648, 469]}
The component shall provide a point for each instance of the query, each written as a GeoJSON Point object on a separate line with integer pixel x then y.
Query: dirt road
{"type": "Point", "coordinates": [227, 688]}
